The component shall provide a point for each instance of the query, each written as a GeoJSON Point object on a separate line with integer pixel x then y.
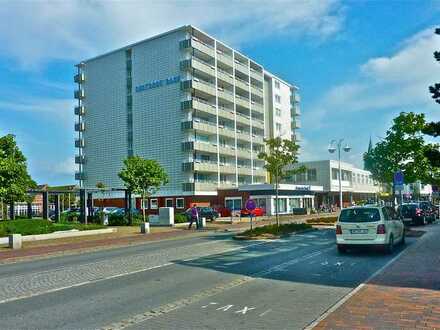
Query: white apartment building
{"type": "Point", "coordinates": [187, 100]}
{"type": "Point", "coordinates": [357, 184]}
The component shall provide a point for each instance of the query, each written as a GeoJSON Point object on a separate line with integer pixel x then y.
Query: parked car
{"type": "Point", "coordinates": [258, 212]}
{"type": "Point", "coordinates": [417, 213]}
{"type": "Point", "coordinates": [204, 212]}
{"type": "Point", "coordinates": [369, 226]}
{"type": "Point", "coordinates": [121, 211]}
{"type": "Point", "coordinates": [223, 211]}
{"type": "Point", "coordinates": [109, 209]}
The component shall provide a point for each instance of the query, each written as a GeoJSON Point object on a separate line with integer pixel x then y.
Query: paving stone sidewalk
{"type": "Point", "coordinates": [405, 296]}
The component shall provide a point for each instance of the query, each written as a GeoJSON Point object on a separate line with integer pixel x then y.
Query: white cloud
{"type": "Point", "coordinates": [400, 80]}
{"type": "Point", "coordinates": [35, 32]}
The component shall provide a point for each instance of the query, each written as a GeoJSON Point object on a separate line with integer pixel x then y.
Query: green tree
{"type": "Point", "coordinates": [433, 128]}
{"type": "Point", "coordinates": [14, 177]}
{"type": "Point", "coordinates": [403, 148]}
{"type": "Point", "coordinates": [280, 157]}
{"type": "Point", "coordinates": [143, 176]}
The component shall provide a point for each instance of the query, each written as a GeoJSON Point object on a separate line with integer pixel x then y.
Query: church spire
{"type": "Point", "coordinates": [370, 145]}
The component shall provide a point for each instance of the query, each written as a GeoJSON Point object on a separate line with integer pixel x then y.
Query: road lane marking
{"type": "Point", "coordinates": [340, 302]}
{"type": "Point", "coordinates": [264, 313]}
{"type": "Point", "coordinates": [224, 308]}
{"type": "Point", "coordinates": [245, 310]}
{"type": "Point", "coordinates": [164, 309]}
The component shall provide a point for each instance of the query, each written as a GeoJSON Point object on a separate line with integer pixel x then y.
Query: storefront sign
{"type": "Point", "coordinates": [157, 83]}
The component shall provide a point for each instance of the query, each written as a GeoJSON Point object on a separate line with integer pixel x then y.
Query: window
{"type": "Point", "coordinates": [278, 112]}
{"type": "Point", "coordinates": [359, 215]}
{"type": "Point", "coordinates": [282, 204]}
{"type": "Point", "coordinates": [335, 174]}
{"type": "Point", "coordinates": [277, 98]}
{"type": "Point", "coordinates": [169, 202]}
{"type": "Point", "coordinates": [180, 203]}
{"type": "Point", "coordinates": [278, 127]}
{"type": "Point", "coordinates": [311, 174]}
{"type": "Point", "coordinates": [277, 84]}
{"type": "Point", "coordinates": [153, 204]}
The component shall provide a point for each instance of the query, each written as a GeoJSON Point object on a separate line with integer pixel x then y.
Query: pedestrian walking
{"type": "Point", "coordinates": [194, 216]}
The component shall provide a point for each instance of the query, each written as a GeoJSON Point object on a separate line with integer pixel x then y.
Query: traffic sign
{"type": "Point", "coordinates": [398, 180]}
{"type": "Point", "coordinates": [250, 205]}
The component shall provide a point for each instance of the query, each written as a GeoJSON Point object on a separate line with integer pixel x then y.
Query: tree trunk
{"type": "Point", "coordinates": [143, 206]}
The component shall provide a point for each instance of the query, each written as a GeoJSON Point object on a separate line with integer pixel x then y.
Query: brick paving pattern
{"type": "Point", "coordinates": [405, 296]}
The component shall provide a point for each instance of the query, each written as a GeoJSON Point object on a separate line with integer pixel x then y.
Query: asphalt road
{"type": "Point", "coordinates": [210, 282]}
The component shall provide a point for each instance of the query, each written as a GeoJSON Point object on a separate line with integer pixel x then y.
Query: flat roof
{"type": "Point", "coordinates": [184, 27]}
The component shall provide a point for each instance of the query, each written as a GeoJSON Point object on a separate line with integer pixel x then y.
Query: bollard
{"type": "Point", "coordinates": [15, 241]}
{"type": "Point", "coordinates": [145, 228]}
{"type": "Point", "coordinates": [202, 223]}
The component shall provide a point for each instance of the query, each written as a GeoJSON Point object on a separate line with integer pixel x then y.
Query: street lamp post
{"type": "Point", "coordinates": [332, 148]}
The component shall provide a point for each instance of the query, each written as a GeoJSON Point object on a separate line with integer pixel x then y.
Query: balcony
{"type": "Point", "coordinates": [225, 59]}
{"type": "Point", "coordinates": [257, 75]}
{"type": "Point", "coordinates": [242, 101]}
{"type": "Point", "coordinates": [79, 94]}
{"type": "Point", "coordinates": [295, 98]}
{"type": "Point", "coordinates": [79, 78]}
{"type": "Point", "coordinates": [80, 159]}
{"type": "Point", "coordinates": [80, 176]}
{"type": "Point", "coordinates": [197, 44]}
{"type": "Point", "coordinates": [244, 85]}
{"type": "Point", "coordinates": [79, 143]}
{"type": "Point", "coordinates": [297, 137]}
{"type": "Point", "coordinates": [204, 126]}
{"type": "Point", "coordinates": [226, 113]}
{"type": "Point", "coordinates": [80, 111]}
{"type": "Point", "coordinates": [258, 123]}
{"type": "Point", "coordinates": [225, 76]}
{"type": "Point", "coordinates": [244, 170]}
{"type": "Point", "coordinates": [257, 139]}
{"type": "Point", "coordinates": [243, 136]}
{"type": "Point", "coordinates": [226, 131]}
{"type": "Point", "coordinates": [206, 167]}
{"type": "Point", "coordinates": [243, 119]}
{"type": "Point", "coordinates": [259, 172]}
{"type": "Point", "coordinates": [296, 123]}
{"type": "Point", "coordinates": [203, 86]}
{"type": "Point", "coordinates": [257, 107]}
{"type": "Point", "coordinates": [242, 67]}
{"type": "Point", "coordinates": [244, 153]}
{"type": "Point", "coordinates": [257, 91]}
{"type": "Point", "coordinates": [205, 186]}
{"type": "Point", "coordinates": [80, 127]}
{"type": "Point", "coordinates": [295, 110]}
{"type": "Point", "coordinates": [226, 95]}
{"type": "Point", "coordinates": [227, 168]}
{"type": "Point", "coordinates": [227, 150]}
{"type": "Point", "coordinates": [204, 106]}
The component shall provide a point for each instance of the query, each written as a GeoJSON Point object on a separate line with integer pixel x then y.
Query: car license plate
{"type": "Point", "coordinates": [359, 231]}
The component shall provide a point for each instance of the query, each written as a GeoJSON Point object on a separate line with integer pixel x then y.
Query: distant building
{"type": "Point", "coordinates": [357, 184]}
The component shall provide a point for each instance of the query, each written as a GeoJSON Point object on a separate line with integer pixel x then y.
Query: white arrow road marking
{"type": "Point", "coordinates": [245, 310]}
{"type": "Point", "coordinates": [224, 308]}
{"type": "Point", "coordinates": [211, 303]}
{"type": "Point", "coordinates": [338, 264]}
{"type": "Point", "coordinates": [325, 263]}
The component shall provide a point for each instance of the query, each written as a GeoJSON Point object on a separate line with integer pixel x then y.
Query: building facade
{"type": "Point", "coordinates": [187, 100]}
{"type": "Point", "coordinates": [357, 184]}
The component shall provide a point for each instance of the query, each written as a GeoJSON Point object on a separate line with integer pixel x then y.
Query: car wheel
{"type": "Point", "coordinates": [342, 249]}
{"type": "Point", "coordinates": [390, 246]}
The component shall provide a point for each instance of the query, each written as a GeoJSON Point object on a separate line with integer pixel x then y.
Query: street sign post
{"type": "Point", "coordinates": [251, 206]}
{"type": "Point", "coordinates": [398, 184]}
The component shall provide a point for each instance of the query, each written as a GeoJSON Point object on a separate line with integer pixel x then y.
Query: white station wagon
{"type": "Point", "coordinates": [372, 225]}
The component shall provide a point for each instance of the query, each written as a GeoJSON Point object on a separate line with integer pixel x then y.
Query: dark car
{"type": "Point", "coordinates": [204, 212]}
{"type": "Point", "coordinates": [418, 213]}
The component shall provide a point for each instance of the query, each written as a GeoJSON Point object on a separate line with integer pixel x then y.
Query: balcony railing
{"type": "Point", "coordinates": [79, 78]}
{"type": "Point", "coordinates": [80, 127]}
{"type": "Point", "coordinates": [80, 159]}
{"type": "Point", "coordinates": [79, 94]}
{"type": "Point", "coordinates": [79, 143]}
{"type": "Point", "coordinates": [80, 111]}
{"type": "Point", "coordinates": [80, 176]}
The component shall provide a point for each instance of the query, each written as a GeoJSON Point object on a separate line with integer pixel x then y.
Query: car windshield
{"type": "Point", "coordinates": [359, 215]}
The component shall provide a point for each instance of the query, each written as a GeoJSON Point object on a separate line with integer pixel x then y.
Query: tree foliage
{"type": "Point", "coordinates": [433, 128]}
{"type": "Point", "coordinates": [143, 176]}
{"type": "Point", "coordinates": [14, 177]}
{"type": "Point", "coordinates": [403, 149]}
{"type": "Point", "coordinates": [280, 157]}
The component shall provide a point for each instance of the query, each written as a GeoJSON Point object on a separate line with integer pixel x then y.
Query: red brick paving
{"type": "Point", "coordinates": [405, 296]}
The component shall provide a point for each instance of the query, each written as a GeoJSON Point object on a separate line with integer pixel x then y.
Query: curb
{"type": "Point", "coordinates": [253, 238]}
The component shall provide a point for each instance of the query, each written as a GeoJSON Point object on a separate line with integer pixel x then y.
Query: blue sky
{"type": "Point", "coordinates": [357, 63]}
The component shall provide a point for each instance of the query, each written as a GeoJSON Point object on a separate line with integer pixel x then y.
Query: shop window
{"type": "Point", "coordinates": [180, 203]}
{"type": "Point", "coordinates": [153, 204]}
{"type": "Point", "coordinates": [169, 202]}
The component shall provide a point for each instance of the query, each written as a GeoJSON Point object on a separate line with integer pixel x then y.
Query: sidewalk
{"type": "Point", "coordinates": [405, 296]}
{"type": "Point", "coordinates": [127, 236]}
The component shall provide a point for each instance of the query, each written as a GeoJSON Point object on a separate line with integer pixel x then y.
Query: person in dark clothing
{"type": "Point", "coordinates": [194, 216]}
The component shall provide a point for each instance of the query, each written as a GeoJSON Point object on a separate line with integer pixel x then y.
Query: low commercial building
{"type": "Point", "coordinates": [357, 184]}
